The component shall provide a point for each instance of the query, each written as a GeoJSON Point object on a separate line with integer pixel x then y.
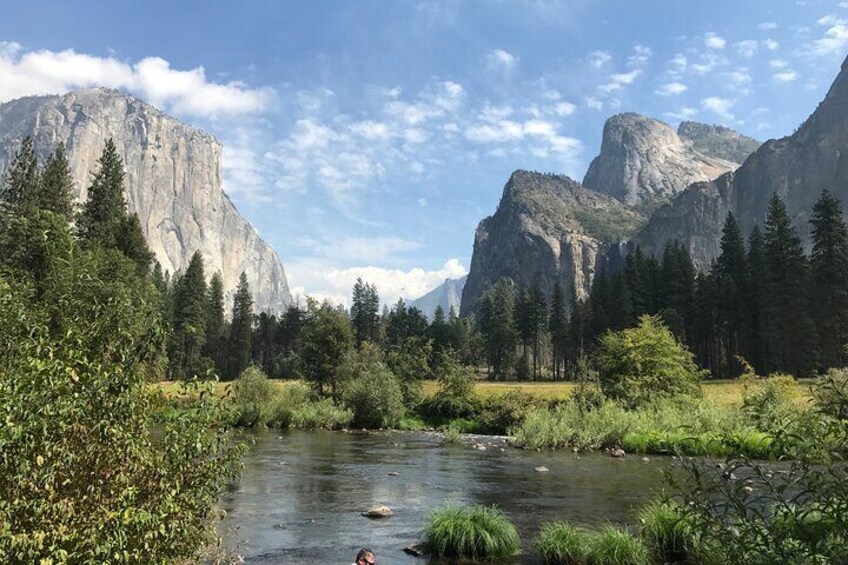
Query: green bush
{"type": "Point", "coordinates": [370, 390]}
{"type": "Point", "coordinates": [255, 399]}
{"type": "Point", "coordinates": [455, 397]}
{"type": "Point", "coordinates": [561, 543]}
{"type": "Point", "coordinates": [613, 546]}
{"type": "Point", "coordinates": [768, 402]}
{"type": "Point", "coordinates": [476, 533]}
{"type": "Point", "coordinates": [830, 391]}
{"type": "Point", "coordinates": [646, 363]}
{"type": "Point", "coordinates": [502, 412]}
{"type": "Point", "coordinates": [82, 478]}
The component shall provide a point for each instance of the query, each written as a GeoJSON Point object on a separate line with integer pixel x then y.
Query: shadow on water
{"type": "Point", "coordinates": [301, 493]}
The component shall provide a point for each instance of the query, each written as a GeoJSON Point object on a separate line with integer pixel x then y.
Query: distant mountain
{"type": "Point", "coordinates": [173, 181]}
{"type": "Point", "coordinates": [547, 228]}
{"type": "Point", "coordinates": [644, 162]}
{"type": "Point", "coordinates": [447, 295]}
{"type": "Point", "coordinates": [718, 142]}
{"type": "Point", "coordinates": [797, 168]}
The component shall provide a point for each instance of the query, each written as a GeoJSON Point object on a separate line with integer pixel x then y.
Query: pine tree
{"type": "Point", "coordinates": [677, 288]}
{"type": "Point", "coordinates": [55, 192]}
{"type": "Point", "coordinates": [731, 273]}
{"type": "Point", "coordinates": [241, 330]}
{"type": "Point", "coordinates": [790, 331]}
{"type": "Point", "coordinates": [103, 214]}
{"type": "Point", "coordinates": [497, 324]}
{"type": "Point", "coordinates": [829, 270]}
{"type": "Point", "coordinates": [215, 324]}
{"type": "Point", "coordinates": [190, 310]}
{"type": "Point", "coordinates": [755, 352]}
{"type": "Point", "coordinates": [364, 313]}
{"type": "Point", "coordinates": [538, 321]}
{"type": "Point", "coordinates": [130, 241]}
{"type": "Point", "coordinates": [21, 182]}
{"type": "Point", "coordinates": [558, 327]}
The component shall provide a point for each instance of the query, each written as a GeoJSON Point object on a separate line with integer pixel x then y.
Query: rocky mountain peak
{"type": "Point", "coordinates": [643, 161]}
{"type": "Point", "coordinates": [173, 181]}
{"type": "Point", "coordinates": [718, 142]}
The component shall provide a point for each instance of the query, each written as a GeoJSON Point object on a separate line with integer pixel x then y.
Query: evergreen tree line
{"type": "Point", "coordinates": [764, 301]}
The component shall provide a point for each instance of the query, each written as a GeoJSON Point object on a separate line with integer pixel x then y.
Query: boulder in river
{"type": "Point", "coordinates": [618, 453]}
{"type": "Point", "coordinates": [542, 469]}
{"type": "Point", "coordinates": [379, 512]}
{"type": "Point", "coordinates": [415, 549]}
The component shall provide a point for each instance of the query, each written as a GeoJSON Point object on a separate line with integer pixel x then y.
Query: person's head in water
{"type": "Point", "coordinates": [365, 557]}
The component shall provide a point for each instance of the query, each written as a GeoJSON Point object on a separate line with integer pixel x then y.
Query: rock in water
{"type": "Point", "coordinates": [643, 161]}
{"type": "Point", "coordinates": [416, 550]}
{"type": "Point", "coordinates": [547, 228]}
{"type": "Point", "coordinates": [542, 469]}
{"type": "Point", "coordinates": [618, 453]}
{"type": "Point", "coordinates": [379, 512]}
{"type": "Point", "coordinates": [173, 182]}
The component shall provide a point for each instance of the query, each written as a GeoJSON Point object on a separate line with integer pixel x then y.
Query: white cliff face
{"type": "Point", "coordinates": [173, 182]}
{"type": "Point", "coordinates": [643, 161]}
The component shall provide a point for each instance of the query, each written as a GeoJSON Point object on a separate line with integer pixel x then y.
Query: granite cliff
{"type": "Point", "coordinates": [173, 181]}
{"type": "Point", "coordinates": [547, 228]}
{"type": "Point", "coordinates": [447, 295]}
{"type": "Point", "coordinates": [797, 168]}
{"type": "Point", "coordinates": [644, 162]}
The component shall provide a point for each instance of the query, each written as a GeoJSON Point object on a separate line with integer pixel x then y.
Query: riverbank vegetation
{"type": "Point", "coordinates": [83, 476]}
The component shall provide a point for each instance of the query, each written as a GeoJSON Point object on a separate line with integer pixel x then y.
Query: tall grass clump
{"type": "Point", "coordinates": [665, 532]}
{"type": "Point", "coordinates": [476, 533]}
{"type": "Point", "coordinates": [613, 546]}
{"type": "Point", "coordinates": [562, 543]}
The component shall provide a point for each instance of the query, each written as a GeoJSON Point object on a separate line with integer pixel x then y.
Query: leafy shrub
{"type": "Point", "coordinates": [768, 402]}
{"type": "Point", "coordinates": [502, 412]}
{"type": "Point", "coordinates": [646, 363]}
{"type": "Point", "coordinates": [830, 391]}
{"type": "Point", "coordinates": [475, 533]}
{"type": "Point", "coordinates": [255, 398]}
{"type": "Point", "coordinates": [370, 390]}
{"type": "Point", "coordinates": [562, 543]}
{"type": "Point", "coordinates": [612, 546]}
{"type": "Point", "coordinates": [322, 414]}
{"type": "Point", "coordinates": [82, 479]}
{"type": "Point", "coordinates": [409, 362]}
{"type": "Point", "coordinates": [455, 397]}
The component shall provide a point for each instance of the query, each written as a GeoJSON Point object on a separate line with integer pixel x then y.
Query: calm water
{"type": "Point", "coordinates": [301, 493]}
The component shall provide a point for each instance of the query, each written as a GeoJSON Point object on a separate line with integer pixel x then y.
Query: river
{"type": "Point", "coordinates": [301, 493]}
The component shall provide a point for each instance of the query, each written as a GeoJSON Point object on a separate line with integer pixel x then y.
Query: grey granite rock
{"type": "Point", "coordinates": [173, 181]}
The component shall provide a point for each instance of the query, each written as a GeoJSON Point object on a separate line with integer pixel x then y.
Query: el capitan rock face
{"type": "Point", "coordinates": [797, 168]}
{"type": "Point", "coordinates": [643, 161]}
{"type": "Point", "coordinates": [173, 181]}
{"type": "Point", "coordinates": [547, 228]}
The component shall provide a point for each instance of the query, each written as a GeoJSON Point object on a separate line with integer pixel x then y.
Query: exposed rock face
{"type": "Point", "coordinates": [643, 161]}
{"type": "Point", "coordinates": [718, 142]}
{"type": "Point", "coordinates": [447, 295]}
{"type": "Point", "coordinates": [173, 181]}
{"type": "Point", "coordinates": [547, 228]}
{"type": "Point", "coordinates": [797, 168]}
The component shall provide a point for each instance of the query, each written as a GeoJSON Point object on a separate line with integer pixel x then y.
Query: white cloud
{"type": "Point", "coordinates": [719, 106]}
{"type": "Point", "coordinates": [324, 281]}
{"type": "Point", "coordinates": [640, 56]}
{"type": "Point", "coordinates": [678, 63]}
{"type": "Point", "coordinates": [765, 26]}
{"type": "Point", "coordinates": [502, 60]}
{"type": "Point", "coordinates": [771, 44]}
{"type": "Point", "coordinates": [593, 103]}
{"type": "Point", "coordinates": [713, 41]}
{"type": "Point", "coordinates": [599, 58]}
{"type": "Point", "coordinates": [835, 37]}
{"type": "Point", "coordinates": [564, 108]}
{"type": "Point", "coordinates": [778, 64]}
{"type": "Point", "coordinates": [671, 88]}
{"type": "Point", "coordinates": [786, 76]}
{"type": "Point", "coordinates": [747, 48]}
{"type": "Point", "coordinates": [684, 113]}
{"type": "Point", "coordinates": [617, 81]}
{"type": "Point", "coordinates": [185, 92]}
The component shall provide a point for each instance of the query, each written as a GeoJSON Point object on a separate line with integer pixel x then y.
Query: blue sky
{"type": "Point", "coordinates": [369, 137]}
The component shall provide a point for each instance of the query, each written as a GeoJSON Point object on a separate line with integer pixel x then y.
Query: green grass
{"type": "Point", "coordinates": [562, 543]}
{"type": "Point", "coordinates": [666, 534]}
{"type": "Point", "coordinates": [477, 533]}
{"type": "Point", "coordinates": [614, 546]}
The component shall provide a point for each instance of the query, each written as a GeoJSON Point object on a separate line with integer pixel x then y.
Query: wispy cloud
{"type": "Point", "coordinates": [671, 88]}
{"type": "Point", "coordinates": [185, 92]}
{"type": "Point", "coordinates": [599, 58]}
{"type": "Point", "coordinates": [719, 106]}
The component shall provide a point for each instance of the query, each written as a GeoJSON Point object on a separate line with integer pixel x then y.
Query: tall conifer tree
{"type": "Point", "coordinates": [56, 189]}
{"type": "Point", "coordinates": [829, 269]}
{"type": "Point", "coordinates": [190, 311]}
{"type": "Point", "coordinates": [241, 330]}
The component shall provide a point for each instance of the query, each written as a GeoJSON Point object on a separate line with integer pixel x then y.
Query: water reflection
{"type": "Point", "coordinates": [301, 492]}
